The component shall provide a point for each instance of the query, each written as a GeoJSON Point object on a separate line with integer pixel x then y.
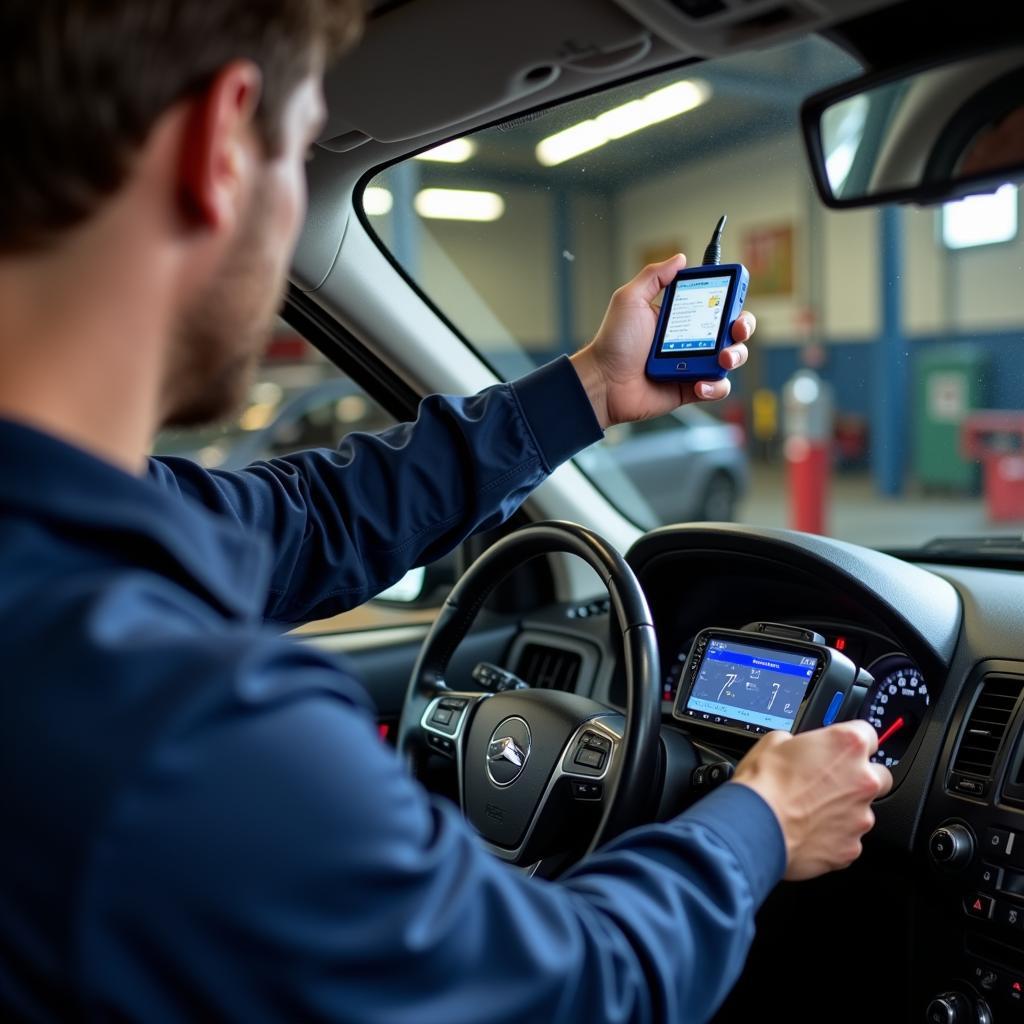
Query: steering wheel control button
{"type": "Point", "coordinates": [719, 772]}
{"type": "Point", "coordinates": [508, 751]}
{"type": "Point", "coordinates": [998, 842]}
{"type": "Point", "coordinates": [951, 846]}
{"type": "Point", "coordinates": [442, 716]}
{"type": "Point", "coordinates": [590, 757]}
{"type": "Point", "coordinates": [980, 906]}
{"type": "Point", "coordinates": [441, 744]}
{"type": "Point", "coordinates": [587, 790]}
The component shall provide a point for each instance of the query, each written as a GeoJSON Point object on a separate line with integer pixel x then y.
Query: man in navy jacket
{"type": "Point", "coordinates": [199, 819]}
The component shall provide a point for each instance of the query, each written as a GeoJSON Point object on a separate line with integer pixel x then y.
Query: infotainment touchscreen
{"type": "Point", "coordinates": [752, 686]}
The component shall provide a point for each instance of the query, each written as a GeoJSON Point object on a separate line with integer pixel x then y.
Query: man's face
{"type": "Point", "coordinates": [223, 332]}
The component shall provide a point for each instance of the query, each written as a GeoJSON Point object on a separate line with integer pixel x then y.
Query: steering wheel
{"type": "Point", "coordinates": [541, 772]}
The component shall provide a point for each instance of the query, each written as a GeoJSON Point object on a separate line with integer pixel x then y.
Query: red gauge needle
{"type": "Point", "coordinates": [894, 728]}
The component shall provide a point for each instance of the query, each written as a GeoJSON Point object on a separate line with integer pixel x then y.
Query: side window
{"type": "Point", "coordinates": [299, 400]}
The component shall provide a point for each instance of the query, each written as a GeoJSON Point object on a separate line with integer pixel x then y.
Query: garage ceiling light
{"type": "Point", "coordinates": [671, 101]}
{"type": "Point", "coordinates": [458, 204]}
{"type": "Point", "coordinates": [377, 201]}
{"type": "Point", "coordinates": [458, 151]}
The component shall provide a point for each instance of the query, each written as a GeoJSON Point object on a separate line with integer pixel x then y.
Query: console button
{"type": "Point", "coordinates": [1013, 989]}
{"type": "Point", "coordinates": [990, 876]}
{"type": "Point", "coordinates": [998, 841]}
{"type": "Point", "coordinates": [1012, 881]}
{"type": "Point", "coordinates": [986, 978]}
{"type": "Point", "coordinates": [979, 905]}
{"type": "Point", "coordinates": [1010, 914]}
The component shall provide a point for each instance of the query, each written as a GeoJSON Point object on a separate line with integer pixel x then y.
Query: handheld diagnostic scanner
{"type": "Point", "coordinates": [698, 310]}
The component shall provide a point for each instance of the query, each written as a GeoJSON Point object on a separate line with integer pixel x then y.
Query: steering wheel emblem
{"type": "Point", "coordinates": [508, 751]}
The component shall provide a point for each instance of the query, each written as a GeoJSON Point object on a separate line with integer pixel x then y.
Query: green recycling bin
{"type": "Point", "coordinates": [951, 381]}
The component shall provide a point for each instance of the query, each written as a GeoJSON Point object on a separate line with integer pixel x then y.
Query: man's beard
{"type": "Point", "coordinates": [221, 336]}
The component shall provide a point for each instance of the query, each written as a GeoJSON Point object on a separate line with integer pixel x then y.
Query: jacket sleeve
{"type": "Point", "coordinates": [345, 524]}
{"type": "Point", "coordinates": [277, 863]}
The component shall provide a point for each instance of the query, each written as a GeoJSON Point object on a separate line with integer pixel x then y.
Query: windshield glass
{"type": "Point", "coordinates": [884, 399]}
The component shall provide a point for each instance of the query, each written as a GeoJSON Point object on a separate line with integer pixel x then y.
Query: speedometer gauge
{"type": "Point", "coordinates": [895, 706]}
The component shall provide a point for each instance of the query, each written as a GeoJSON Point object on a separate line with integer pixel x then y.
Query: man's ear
{"type": "Point", "coordinates": [219, 146]}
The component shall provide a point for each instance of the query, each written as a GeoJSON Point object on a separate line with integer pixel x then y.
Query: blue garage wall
{"type": "Point", "coordinates": [850, 367]}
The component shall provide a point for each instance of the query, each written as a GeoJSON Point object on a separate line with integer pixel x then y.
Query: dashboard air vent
{"type": "Point", "coordinates": [986, 726]}
{"type": "Point", "coordinates": [548, 668]}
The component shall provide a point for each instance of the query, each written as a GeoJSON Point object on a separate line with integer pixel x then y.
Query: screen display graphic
{"type": "Point", "coordinates": [750, 685]}
{"type": "Point", "coordinates": [695, 315]}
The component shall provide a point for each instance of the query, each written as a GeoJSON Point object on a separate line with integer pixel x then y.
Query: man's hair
{"type": "Point", "coordinates": [83, 82]}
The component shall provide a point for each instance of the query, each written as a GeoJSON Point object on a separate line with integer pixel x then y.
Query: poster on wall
{"type": "Point", "coordinates": [768, 255]}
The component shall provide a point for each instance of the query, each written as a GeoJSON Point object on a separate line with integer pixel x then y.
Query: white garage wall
{"type": "Point", "coordinates": [925, 294]}
{"type": "Point", "coordinates": [511, 264]}
{"type": "Point", "coordinates": [757, 188]}
{"type": "Point", "coordinates": [850, 281]}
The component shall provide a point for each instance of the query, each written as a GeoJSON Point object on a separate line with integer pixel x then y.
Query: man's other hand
{"type": "Point", "coordinates": [611, 367]}
{"type": "Point", "coordinates": [820, 784]}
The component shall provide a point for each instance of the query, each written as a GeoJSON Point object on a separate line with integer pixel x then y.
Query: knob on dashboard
{"type": "Point", "coordinates": [951, 845]}
{"type": "Point", "coordinates": [949, 1008]}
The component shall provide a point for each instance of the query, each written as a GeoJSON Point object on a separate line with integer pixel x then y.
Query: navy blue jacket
{"type": "Point", "coordinates": [199, 820]}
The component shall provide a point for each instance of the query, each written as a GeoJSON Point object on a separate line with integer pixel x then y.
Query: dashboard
{"type": "Point", "coordinates": [938, 894]}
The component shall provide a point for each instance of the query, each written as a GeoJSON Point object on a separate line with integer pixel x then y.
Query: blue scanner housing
{"type": "Point", "coordinates": [699, 307]}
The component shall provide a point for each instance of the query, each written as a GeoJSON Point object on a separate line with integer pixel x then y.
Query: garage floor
{"type": "Point", "coordinates": [857, 514]}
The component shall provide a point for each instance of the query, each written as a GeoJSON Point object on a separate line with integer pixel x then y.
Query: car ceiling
{"type": "Point", "coordinates": [431, 67]}
{"type": "Point", "coordinates": [426, 70]}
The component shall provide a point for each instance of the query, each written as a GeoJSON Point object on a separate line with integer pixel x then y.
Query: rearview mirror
{"type": "Point", "coordinates": [925, 134]}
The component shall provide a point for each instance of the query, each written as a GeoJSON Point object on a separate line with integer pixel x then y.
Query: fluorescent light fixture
{"type": "Point", "coordinates": [458, 204]}
{"type": "Point", "coordinates": [377, 201]}
{"type": "Point", "coordinates": [980, 220]}
{"type": "Point", "coordinates": [458, 151]}
{"type": "Point", "coordinates": [671, 101]}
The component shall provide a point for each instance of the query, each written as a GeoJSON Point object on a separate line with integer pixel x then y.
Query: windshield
{"type": "Point", "coordinates": [884, 399]}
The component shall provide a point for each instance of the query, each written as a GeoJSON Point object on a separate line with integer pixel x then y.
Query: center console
{"type": "Point", "coordinates": [970, 963]}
